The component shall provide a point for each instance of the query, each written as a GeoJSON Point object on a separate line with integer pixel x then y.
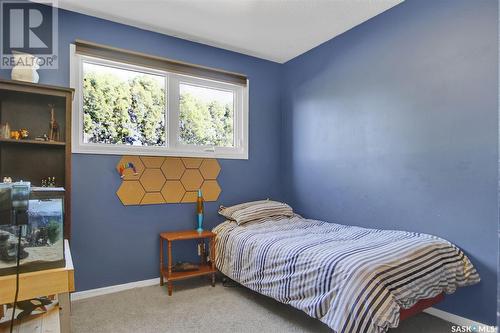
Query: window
{"type": "Point", "coordinates": [127, 109]}
{"type": "Point", "coordinates": [122, 106]}
{"type": "Point", "coordinates": [206, 116]}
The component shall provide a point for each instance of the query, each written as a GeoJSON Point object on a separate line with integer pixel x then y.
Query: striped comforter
{"type": "Point", "coordinates": [351, 278]}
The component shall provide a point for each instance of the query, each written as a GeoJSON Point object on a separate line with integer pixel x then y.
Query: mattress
{"type": "Point", "coordinates": [351, 278]}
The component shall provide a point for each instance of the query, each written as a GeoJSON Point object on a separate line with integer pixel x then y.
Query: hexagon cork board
{"type": "Point", "coordinates": [153, 180]}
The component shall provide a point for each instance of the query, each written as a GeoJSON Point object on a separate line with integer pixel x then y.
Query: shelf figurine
{"type": "Point", "coordinates": [5, 131]}
{"type": "Point", "coordinates": [24, 133]}
{"type": "Point", "coordinates": [15, 135]}
{"type": "Point", "coordinates": [48, 182]}
{"type": "Point", "coordinates": [44, 137]}
{"type": "Point", "coordinates": [54, 126]}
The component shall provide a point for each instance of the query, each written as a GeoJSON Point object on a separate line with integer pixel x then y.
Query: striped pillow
{"type": "Point", "coordinates": [254, 210]}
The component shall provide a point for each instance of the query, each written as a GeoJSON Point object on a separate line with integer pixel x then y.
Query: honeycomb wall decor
{"type": "Point", "coordinates": [160, 180]}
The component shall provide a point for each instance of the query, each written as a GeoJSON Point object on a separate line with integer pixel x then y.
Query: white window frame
{"type": "Point", "coordinates": [172, 145]}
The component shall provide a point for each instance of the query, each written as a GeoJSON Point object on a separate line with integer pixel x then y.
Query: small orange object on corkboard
{"type": "Point", "coordinates": [160, 180]}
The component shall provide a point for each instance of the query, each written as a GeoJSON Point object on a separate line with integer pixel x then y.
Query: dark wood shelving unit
{"type": "Point", "coordinates": [26, 105]}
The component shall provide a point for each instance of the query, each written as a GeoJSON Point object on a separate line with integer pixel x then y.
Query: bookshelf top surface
{"type": "Point", "coordinates": [34, 88]}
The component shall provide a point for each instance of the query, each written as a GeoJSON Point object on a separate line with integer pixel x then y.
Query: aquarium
{"type": "Point", "coordinates": [36, 215]}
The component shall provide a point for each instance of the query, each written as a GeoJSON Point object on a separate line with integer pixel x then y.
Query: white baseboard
{"type": "Point", "coordinates": [454, 319]}
{"type": "Point", "coordinates": [113, 289]}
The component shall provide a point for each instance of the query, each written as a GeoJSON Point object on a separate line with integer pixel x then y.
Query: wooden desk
{"type": "Point", "coordinates": [57, 281]}
{"type": "Point", "coordinates": [204, 269]}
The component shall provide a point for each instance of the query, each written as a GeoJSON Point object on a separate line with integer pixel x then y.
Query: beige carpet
{"type": "Point", "coordinates": [197, 307]}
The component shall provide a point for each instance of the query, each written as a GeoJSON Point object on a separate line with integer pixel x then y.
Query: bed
{"type": "Point", "coordinates": [351, 278]}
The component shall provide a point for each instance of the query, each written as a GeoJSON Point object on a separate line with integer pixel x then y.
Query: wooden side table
{"type": "Point", "coordinates": [205, 268]}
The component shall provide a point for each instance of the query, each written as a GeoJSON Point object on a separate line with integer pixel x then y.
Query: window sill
{"type": "Point", "coordinates": [153, 151]}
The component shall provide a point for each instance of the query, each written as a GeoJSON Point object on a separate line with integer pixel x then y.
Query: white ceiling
{"type": "Point", "coordinates": [276, 30]}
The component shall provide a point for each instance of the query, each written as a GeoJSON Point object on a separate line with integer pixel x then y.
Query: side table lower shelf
{"type": "Point", "coordinates": [204, 269]}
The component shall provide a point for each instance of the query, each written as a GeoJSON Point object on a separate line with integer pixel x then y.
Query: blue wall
{"type": "Point", "coordinates": [394, 125]}
{"type": "Point", "coordinates": [113, 244]}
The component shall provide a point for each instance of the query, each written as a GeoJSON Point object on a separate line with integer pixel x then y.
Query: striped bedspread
{"type": "Point", "coordinates": [351, 278]}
